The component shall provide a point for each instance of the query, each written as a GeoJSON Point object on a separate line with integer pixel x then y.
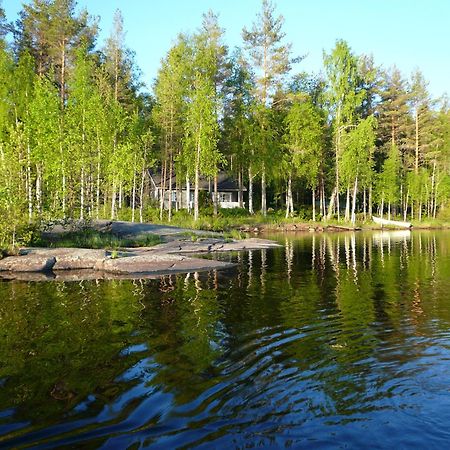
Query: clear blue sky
{"type": "Point", "coordinates": [407, 33]}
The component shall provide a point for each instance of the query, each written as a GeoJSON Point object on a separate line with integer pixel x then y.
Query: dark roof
{"type": "Point", "coordinates": [224, 183]}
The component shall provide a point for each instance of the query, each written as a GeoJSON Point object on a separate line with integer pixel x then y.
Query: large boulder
{"type": "Point", "coordinates": [28, 263]}
{"type": "Point", "coordinates": [69, 258]}
{"type": "Point", "coordinates": [159, 263]}
{"type": "Point", "coordinates": [79, 258]}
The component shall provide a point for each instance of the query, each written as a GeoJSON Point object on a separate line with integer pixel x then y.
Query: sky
{"type": "Point", "coordinates": [408, 33]}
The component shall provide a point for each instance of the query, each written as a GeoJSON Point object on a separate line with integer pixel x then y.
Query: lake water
{"type": "Point", "coordinates": [333, 340]}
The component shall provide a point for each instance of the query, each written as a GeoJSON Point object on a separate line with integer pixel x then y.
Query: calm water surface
{"type": "Point", "coordinates": [331, 341]}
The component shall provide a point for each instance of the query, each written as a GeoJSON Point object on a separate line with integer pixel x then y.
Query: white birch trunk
{"type": "Point", "coordinates": [250, 191]}
{"type": "Point", "coordinates": [133, 197]}
{"type": "Point", "coordinates": [314, 204]}
{"type": "Point", "coordinates": [113, 201]}
{"type": "Point", "coordinates": [82, 195]}
{"type": "Point", "coordinates": [188, 194]}
{"type": "Point", "coordinates": [263, 193]}
{"type": "Point", "coordinates": [355, 191]}
{"type": "Point", "coordinates": [141, 196]}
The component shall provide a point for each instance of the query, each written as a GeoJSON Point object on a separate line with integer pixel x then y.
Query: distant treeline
{"type": "Point", "coordinates": [78, 136]}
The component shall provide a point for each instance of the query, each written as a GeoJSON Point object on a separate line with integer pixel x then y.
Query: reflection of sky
{"type": "Point", "coordinates": [322, 341]}
{"type": "Point", "coordinates": [408, 33]}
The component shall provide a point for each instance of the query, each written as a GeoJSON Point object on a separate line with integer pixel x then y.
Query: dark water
{"type": "Point", "coordinates": [332, 341]}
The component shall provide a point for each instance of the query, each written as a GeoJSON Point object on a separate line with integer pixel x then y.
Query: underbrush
{"type": "Point", "coordinates": [88, 238]}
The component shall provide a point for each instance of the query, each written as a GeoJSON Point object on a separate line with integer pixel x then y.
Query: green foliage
{"type": "Point", "coordinates": [357, 149]}
{"type": "Point", "coordinates": [305, 141]}
{"type": "Point", "coordinates": [89, 238]}
{"type": "Point", "coordinates": [78, 136]}
{"type": "Point", "coordinates": [388, 187]}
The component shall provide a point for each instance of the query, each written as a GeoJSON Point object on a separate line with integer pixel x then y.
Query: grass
{"type": "Point", "coordinates": [88, 238]}
{"type": "Point", "coordinates": [230, 221]}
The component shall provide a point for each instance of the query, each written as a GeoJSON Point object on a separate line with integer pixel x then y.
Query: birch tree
{"type": "Point", "coordinates": [304, 145]}
{"type": "Point", "coordinates": [344, 97]}
{"type": "Point", "coordinates": [270, 58]}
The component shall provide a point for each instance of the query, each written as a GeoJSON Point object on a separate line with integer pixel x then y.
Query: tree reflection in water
{"type": "Point", "coordinates": [325, 331]}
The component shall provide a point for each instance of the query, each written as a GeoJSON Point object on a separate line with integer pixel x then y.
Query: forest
{"type": "Point", "coordinates": [81, 136]}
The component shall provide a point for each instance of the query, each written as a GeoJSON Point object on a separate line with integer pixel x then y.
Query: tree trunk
{"type": "Point", "coordinates": [133, 196]}
{"type": "Point", "coordinates": [162, 190]}
{"type": "Point", "coordinates": [416, 162]}
{"type": "Point", "coordinates": [433, 191]}
{"type": "Point", "coordinates": [196, 182]}
{"type": "Point", "coordinates": [401, 199]}
{"type": "Point", "coordinates": [250, 191]}
{"type": "Point", "coordinates": [355, 191]}
{"type": "Point", "coordinates": [170, 186]}
{"type": "Point", "coordinates": [63, 179]}
{"type": "Point", "coordinates": [314, 204]}
{"type": "Point", "coordinates": [197, 176]}
{"type": "Point", "coordinates": [321, 201]}
{"type": "Point", "coordinates": [347, 205]}
{"type": "Point", "coordinates": [113, 201]}
{"type": "Point", "coordinates": [38, 189]}
{"type": "Point", "coordinates": [331, 205]}
{"type": "Point", "coordinates": [389, 210]}
{"type": "Point", "coordinates": [364, 204]}
{"type": "Point", "coordinates": [216, 196]}
{"type": "Point", "coordinates": [97, 193]}
{"type": "Point", "coordinates": [338, 147]}
{"type": "Point", "coordinates": [405, 208]}
{"type": "Point", "coordinates": [91, 193]}
{"type": "Point", "coordinates": [82, 195]}
{"type": "Point", "coordinates": [141, 199]}
{"type": "Point", "coordinates": [382, 206]}
{"type": "Point", "coordinates": [370, 201]}
{"type": "Point", "coordinates": [289, 197]}
{"type": "Point", "coordinates": [241, 189]}
{"type": "Point", "coordinates": [263, 193]}
{"type": "Point", "coordinates": [324, 206]}
{"type": "Point", "coordinates": [64, 194]}
{"type": "Point", "coordinates": [63, 73]}
{"type": "Point", "coordinates": [178, 194]}
{"type": "Point", "coordinates": [188, 194]}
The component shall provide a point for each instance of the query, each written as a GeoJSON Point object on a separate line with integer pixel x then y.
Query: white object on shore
{"type": "Point", "coordinates": [395, 223]}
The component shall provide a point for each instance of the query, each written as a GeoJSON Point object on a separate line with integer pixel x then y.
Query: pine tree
{"type": "Point", "coordinates": [271, 61]}
{"type": "Point", "coordinates": [120, 65]}
{"type": "Point", "coordinates": [51, 31]}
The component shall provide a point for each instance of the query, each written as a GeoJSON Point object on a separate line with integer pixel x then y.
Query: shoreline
{"type": "Point", "coordinates": [330, 228]}
{"type": "Point", "coordinates": [76, 264]}
{"type": "Point", "coordinates": [180, 251]}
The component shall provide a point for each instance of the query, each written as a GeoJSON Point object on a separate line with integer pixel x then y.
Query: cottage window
{"type": "Point", "coordinates": [224, 197]}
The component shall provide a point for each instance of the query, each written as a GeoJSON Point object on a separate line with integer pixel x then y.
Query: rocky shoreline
{"type": "Point", "coordinates": [74, 264]}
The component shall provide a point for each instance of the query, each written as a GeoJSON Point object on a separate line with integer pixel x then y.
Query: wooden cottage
{"type": "Point", "coordinates": [227, 190]}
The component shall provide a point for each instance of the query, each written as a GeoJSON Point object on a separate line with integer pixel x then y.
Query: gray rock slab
{"type": "Point", "coordinates": [28, 263]}
{"type": "Point", "coordinates": [214, 245]}
{"type": "Point", "coordinates": [69, 258]}
{"type": "Point", "coordinates": [159, 263]}
{"type": "Point", "coordinates": [79, 259]}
